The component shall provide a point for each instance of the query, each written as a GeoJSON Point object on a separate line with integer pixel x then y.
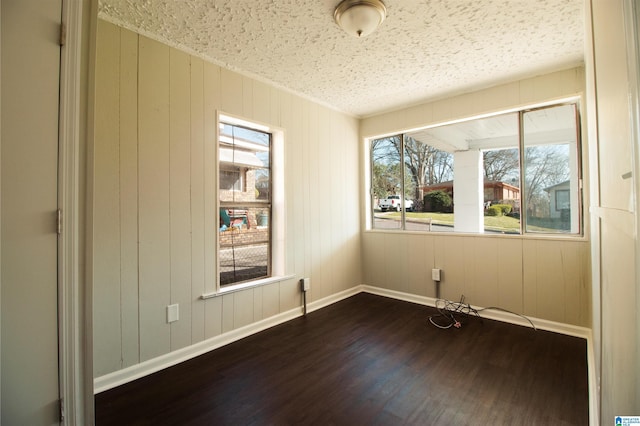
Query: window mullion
{"type": "Point", "coordinates": [523, 190]}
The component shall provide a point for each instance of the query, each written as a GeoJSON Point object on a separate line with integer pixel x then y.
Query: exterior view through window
{"type": "Point", "coordinates": [511, 173]}
{"type": "Point", "coordinates": [244, 250]}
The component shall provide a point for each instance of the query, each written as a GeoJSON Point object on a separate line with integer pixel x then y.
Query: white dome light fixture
{"type": "Point", "coordinates": [360, 17]}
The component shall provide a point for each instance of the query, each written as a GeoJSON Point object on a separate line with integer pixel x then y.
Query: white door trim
{"type": "Point", "coordinates": [74, 285]}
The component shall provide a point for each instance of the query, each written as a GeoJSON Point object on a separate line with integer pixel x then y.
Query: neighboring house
{"type": "Point", "coordinates": [559, 198]}
{"type": "Point", "coordinates": [494, 192]}
{"type": "Point", "coordinates": [238, 164]}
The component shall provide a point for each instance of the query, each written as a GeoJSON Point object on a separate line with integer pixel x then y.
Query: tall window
{"type": "Point", "coordinates": [510, 173]}
{"type": "Point", "coordinates": [244, 250]}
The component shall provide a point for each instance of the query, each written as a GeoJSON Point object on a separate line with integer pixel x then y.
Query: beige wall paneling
{"type": "Point", "coordinates": [129, 197]}
{"type": "Point", "coordinates": [510, 280]}
{"type": "Point", "coordinates": [213, 317]}
{"type": "Point", "coordinates": [374, 258]}
{"type": "Point", "coordinates": [450, 255]}
{"type": "Point", "coordinates": [346, 184]}
{"type": "Point", "coordinates": [258, 306]}
{"type": "Point", "coordinates": [493, 99]}
{"type": "Point", "coordinates": [178, 97]}
{"type": "Point", "coordinates": [311, 215]}
{"type": "Point", "coordinates": [619, 312]}
{"type": "Point", "coordinates": [396, 262]}
{"type": "Point", "coordinates": [352, 184]}
{"type": "Point", "coordinates": [271, 300]}
{"type": "Point", "coordinates": [228, 306]}
{"type": "Point", "coordinates": [620, 377]}
{"type": "Point", "coordinates": [316, 208]}
{"type": "Point", "coordinates": [294, 189]}
{"type": "Point", "coordinates": [154, 187]}
{"type": "Point", "coordinates": [577, 283]}
{"type": "Point", "coordinates": [30, 103]}
{"type": "Point", "coordinates": [324, 193]}
{"type": "Point", "coordinates": [231, 92]}
{"type": "Point", "coordinates": [473, 265]}
{"type": "Point", "coordinates": [484, 281]}
{"type": "Point", "coordinates": [243, 309]}
{"type": "Point", "coordinates": [180, 195]}
{"type": "Point", "coordinates": [555, 276]}
{"type": "Point", "coordinates": [288, 123]}
{"type": "Point", "coordinates": [549, 282]}
{"type": "Point", "coordinates": [197, 168]}
{"type": "Point", "coordinates": [337, 151]}
{"type": "Point", "coordinates": [472, 286]}
{"type": "Point", "coordinates": [212, 103]}
{"type": "Point", "coordinates": [247, 98]}
{"type": "Point", "coordinates": [276, 113]}
{"type": "Point", "coordinates": [420, 262]}
{"type": "Point", "coordinates": [443, 110]}
{"type": "Point", "coordinates": [290, 296]}
{"type": "Point", "coordinates": [530, 277]}
{"type": "Point", "coordinates": [550, 86]}
{"type": "Point", "coordinates": [261, 103]}
{"type": "Point", "coordinates": [107, 290]}
{"type": "Point", "coordinates": [615, 155]}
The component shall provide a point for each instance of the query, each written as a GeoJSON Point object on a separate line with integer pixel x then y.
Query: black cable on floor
{"type": "Point", "coordinates": [449, 313]}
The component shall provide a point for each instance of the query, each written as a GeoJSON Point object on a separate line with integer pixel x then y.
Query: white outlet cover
{"type": "Point", "coordinates": [173, 313]}
{"type": "Point", "coordinates": [435, 274]}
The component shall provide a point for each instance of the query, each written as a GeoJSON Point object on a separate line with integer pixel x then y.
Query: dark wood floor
{"type": "Point", "coordinates": [368, 360]}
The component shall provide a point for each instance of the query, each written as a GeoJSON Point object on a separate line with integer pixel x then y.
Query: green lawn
{"type": "Point", "coordinates": [491, 223]}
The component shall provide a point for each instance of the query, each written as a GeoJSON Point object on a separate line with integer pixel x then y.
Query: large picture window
{"type": "Point", "coordinates": [244, 249]}
{"type": "Point", "coordinates": [511, 173]}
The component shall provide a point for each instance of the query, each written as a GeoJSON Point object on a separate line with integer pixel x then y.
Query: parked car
{"type": "Point", "coordinates": [393, 202]}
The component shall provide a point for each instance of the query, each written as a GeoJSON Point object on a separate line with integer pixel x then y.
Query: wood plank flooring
{"type": "Point", "coordinates": [367, 360]}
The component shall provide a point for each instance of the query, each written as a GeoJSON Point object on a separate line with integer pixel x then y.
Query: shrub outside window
{"type": "Point", "coordinates": [510, 173]}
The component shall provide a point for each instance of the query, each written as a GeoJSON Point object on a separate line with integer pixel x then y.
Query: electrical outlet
{"type": "Point", "coordinates": [435, 274]}
{"type": "Point", "coordinates": [172, 313]}
{"type": "Point", "coordinates": [306, 284]}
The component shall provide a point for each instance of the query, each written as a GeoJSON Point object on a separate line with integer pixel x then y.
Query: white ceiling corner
{"type": "Point", "coordinates": [425, 49]}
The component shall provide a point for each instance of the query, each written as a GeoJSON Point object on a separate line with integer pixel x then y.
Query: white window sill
{"type": "Point", "coordinates": [243, 286]}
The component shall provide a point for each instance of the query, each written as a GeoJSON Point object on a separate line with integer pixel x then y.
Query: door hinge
{"type": "Point", "coordinates": [63, 34]}
{"type": "Point", "coordinates": [61, 405]}
{"type": "Point", "coordinates": [59, 221]}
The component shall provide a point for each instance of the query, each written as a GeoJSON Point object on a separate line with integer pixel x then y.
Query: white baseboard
{"type": "Point", "coordinates": [120, 377]}
{"type": "Point", "coordinates": [542, 324]}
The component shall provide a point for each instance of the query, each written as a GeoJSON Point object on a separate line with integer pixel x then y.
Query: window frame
{"type": "Point", "coordinates": [576, 101]}
{"type": "Point", "coordinates": [278, 209]}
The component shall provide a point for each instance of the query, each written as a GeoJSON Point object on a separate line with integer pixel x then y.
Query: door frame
{"type": "Point", "coordinates": [79, 18]}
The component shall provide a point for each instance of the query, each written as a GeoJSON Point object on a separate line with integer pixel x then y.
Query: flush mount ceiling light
{"type": "Point", "coordinates": [360, 17]}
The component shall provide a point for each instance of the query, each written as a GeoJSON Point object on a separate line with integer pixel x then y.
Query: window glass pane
{"type": "Point", "coordinates": [244, 250]}
{"type": "Point", "coordinates": [386, 182]}
{"type": "Point", "coordinates": [244, 164]}
{"type": "Point", "coordinates": [551, 195]}
{"type": "Point", "coordinates": [502, 190]}
{"type": "Point", "coordinates": [430, 185]}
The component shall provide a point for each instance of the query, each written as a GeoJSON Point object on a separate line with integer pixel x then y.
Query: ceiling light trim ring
{"type": "Point", "coordinates": [346, 5]}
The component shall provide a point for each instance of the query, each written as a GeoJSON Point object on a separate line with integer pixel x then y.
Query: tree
{"type": "Point", "coordinates": [425, 164]}
{"type": "Point", "coordinates": [385, 167]}
{"type": "Point", "coordinates": [544, 166]}
{"type": "Point", "coordinates": [501, 164]}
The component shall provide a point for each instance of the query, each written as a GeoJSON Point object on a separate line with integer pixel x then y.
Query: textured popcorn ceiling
{"type": "Point", "coordinates": [425, 49]}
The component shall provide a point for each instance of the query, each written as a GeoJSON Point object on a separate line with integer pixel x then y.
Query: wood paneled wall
{"type": "Point", "coordinates": [543, 278]}
{"type": "Point", "coordinates": [615, 206]}
{"type": "Point", "coordinates": [547, 279]}
{"type": "Point", "coordinates": [155, 199]}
